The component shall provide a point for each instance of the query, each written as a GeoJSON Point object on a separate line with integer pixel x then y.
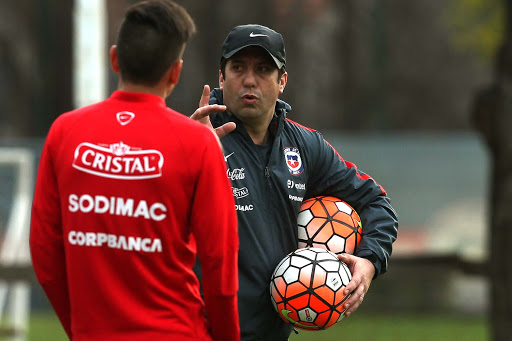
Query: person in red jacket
{"type": "Point", "coordinates": [123, 203]}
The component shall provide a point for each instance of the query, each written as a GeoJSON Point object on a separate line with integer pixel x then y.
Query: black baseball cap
{"type": "Point", "coordinates": [255, 35]}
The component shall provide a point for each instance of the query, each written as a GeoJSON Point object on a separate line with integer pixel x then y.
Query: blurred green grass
{"type": "Point", "coordinates": [46, 327]}
{"type": "Point", "coordinates": [358, 327]}
{"type": "Point", "coordinates": [417, 327]}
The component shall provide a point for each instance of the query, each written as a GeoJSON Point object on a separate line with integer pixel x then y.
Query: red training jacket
{"type": "Point", "coordinates": [125, 191]}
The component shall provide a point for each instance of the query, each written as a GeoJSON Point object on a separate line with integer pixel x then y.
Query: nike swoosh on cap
{"type": "Point", "coordinates": [253, 35]}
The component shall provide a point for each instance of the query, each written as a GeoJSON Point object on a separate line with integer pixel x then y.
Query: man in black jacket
{"type": "Point", "coordinates": [257, 137]}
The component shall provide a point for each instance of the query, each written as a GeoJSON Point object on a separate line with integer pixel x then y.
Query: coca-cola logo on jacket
{"type": "Point", "coordinates": [118, 161]}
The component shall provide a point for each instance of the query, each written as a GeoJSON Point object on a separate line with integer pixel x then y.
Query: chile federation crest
{"type": "Point", "coordinates": [293, 160]}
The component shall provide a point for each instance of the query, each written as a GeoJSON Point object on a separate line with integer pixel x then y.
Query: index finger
{"type": "Point", "coordinates": [205, 96]}
{"type": "Point", "coordinates": [352, 285]}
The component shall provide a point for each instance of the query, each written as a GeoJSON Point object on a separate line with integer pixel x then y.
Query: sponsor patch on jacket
{"type": "Point", "coordinates": [244, 208]}
{"type": "Point", "coordinates": [112, 241]}
{"type": "Point", "coordinates": [127, 207]}
{"type": "Point", "coordinates": [293, 160]}
{"type": "Point", "coordinates": [236, 174]}
{"type": "Point", "coordinates": [118, 161]}
{"type": "Point", "coordinates": [240, 192]}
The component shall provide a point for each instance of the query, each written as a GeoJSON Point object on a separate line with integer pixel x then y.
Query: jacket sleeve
{"type": "Point", "coordinates": [46, 238]}
{"type": "Point", "coordinates": [214, 225]}
{"type": "Point", "coordinates": [331, 175]}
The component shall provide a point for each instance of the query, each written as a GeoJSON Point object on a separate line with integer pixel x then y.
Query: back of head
{"type": "Point", "coordinates": [151, 38]}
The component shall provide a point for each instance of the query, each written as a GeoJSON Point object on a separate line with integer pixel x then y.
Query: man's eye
{"type": "Point", "coordinates": [264, 68]}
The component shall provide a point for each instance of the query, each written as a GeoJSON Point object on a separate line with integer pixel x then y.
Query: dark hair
{"type": "Point", "coordinates": [224, 61]}
{"type": "Point", "coordinates": [151, 38]}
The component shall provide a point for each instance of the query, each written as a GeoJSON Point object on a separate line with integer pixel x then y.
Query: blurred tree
{"type": "Point", "coordinates": [493, 118]}
{"type": "Point", "coordinates": [53, 94]}
{"type": "Point", "coordinates": [35, 59]}
{"type": "Point", "coordinates": [477, 25]}
{"type": "Point", "coordinates": [16, 67]}
{"type": "Point", "coordinates": [355, 65]}
{"type": "Point", "coordinates": [34, 84]}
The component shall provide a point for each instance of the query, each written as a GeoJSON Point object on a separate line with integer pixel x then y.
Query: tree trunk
{"type": "Point", "coordinates": [346, 49]}
{"type": "Point", "coordinates": [493, 118]}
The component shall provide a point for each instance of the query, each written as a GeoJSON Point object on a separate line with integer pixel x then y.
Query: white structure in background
{"type": "Point", "coordinates": [14, 249]}
{"type": "Point", "coordinates": [90, 52]}
{"type": "Point", "coordinates": [461, 227]}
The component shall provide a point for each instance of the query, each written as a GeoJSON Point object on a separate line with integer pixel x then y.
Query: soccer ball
{"type": "Point", "coordinates": [329, 223]}
{"type": "Point", "coordinates": [307, 287]}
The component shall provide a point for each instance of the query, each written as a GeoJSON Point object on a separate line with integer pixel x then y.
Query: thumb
{"type": "Point", "coordinates": [225, 129]}
{"type": "Point", "coordinates": [346, 258]}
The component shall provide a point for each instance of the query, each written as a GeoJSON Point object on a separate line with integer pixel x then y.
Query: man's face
{"type": "Point", "coordinates": [250, 86]}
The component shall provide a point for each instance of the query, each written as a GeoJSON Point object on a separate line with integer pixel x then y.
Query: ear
{"type": "Point", "coordinates": [221, 80]}
{"type": "Point", "coordinates": [175, 71]}
{"type": "Point", "coordinates": [282, 82]}
{"type": "Point", "coordinates": [114, 62]}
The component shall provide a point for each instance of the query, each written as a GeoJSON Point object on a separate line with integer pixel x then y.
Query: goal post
{"type": "Point", "coordinates": [90, 52]}
{"type": "Point", "coordinates": [14, 243]}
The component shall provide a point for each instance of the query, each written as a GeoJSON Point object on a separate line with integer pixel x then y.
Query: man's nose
{"type": "Point", "coordinates": [249, 78]}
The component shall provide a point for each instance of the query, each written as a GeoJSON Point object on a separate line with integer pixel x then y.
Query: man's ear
{"type": "Point", "coordinates": [114, 62]}
{"type": "Point", "coordinates": [282, 82]}
{"type": "Point", "coordinates": [175, 72]}
{"type": "Point", "coordinates": [221, 80]}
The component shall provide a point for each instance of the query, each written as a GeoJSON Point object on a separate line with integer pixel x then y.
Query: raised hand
{"type": "Point", "coordinates": [202, 114]}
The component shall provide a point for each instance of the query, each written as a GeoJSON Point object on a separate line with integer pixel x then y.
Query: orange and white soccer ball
{"type": "Point", "coordinates": [307, 288]}
{"type": "Point", "coordinates": [329, 223]}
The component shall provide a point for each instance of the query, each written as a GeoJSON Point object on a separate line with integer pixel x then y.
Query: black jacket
{"type": "Point", "coordinates": [268, 196]}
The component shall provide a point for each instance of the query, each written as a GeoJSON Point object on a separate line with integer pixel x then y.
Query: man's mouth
{"type": "Point", "coordinates": [249, 99]}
